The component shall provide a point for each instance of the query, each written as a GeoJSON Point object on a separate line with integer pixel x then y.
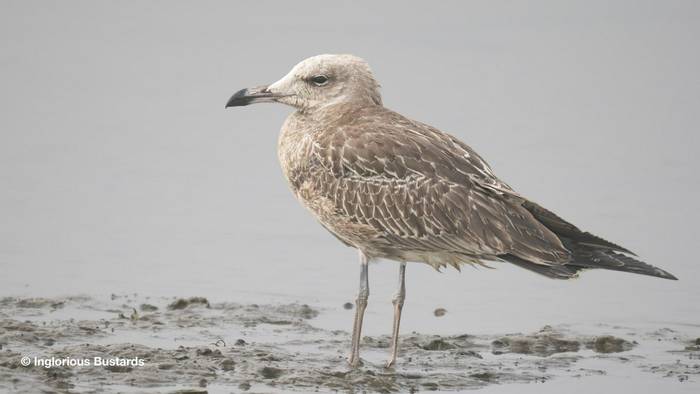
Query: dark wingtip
{"type": "Point", "coordinates": [650, 270]}
{"type": "Point", "coordinates": [666, 275]}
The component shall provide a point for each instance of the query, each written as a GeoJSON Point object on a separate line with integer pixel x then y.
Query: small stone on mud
{"type": "Point", "coordinates": [90, 330]}
{"type": "Point", "coordinates": [183, 303]}
{"type": "Point", "coordinates": [208, 352]}
{"type": "Point", "coordinates": [347, 305]}
{"type": "Point", "coordinates": [440, 312]}
{"type": "Point", "coordinates": [267, 320]}
{"type": "Point", "coordinates": [240, 342]}
{"type": "Point", "coordinates": [245, 386]}
{"type": "Point", "coordinates": [148, 308]}
{"type": "Point", "coordinates": [271, 372]}
{"type": "Point", "coordinates": [485, 376]}
{"type": "Point", "coordinates": [438, 344]}
{"type": "Point", "coordinates": [228, 365]}
{"type": "Point", "coordinates": [307, 312]}
{"type": "Point", "coordinates": [202, 382]}
{"type": "Point", "coordinates": [610, 344]}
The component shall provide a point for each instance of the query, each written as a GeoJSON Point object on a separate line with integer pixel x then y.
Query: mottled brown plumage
{"type": "Point", "coordinates": [402, 190]}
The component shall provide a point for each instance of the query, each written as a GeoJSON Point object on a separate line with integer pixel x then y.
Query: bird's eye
{"type": "Point", "coordinates": [319, 80]}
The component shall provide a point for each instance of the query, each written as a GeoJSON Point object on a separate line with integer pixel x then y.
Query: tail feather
{"type": "Point", "coordinates": [587, 251]}
{"type": "Point", "coordinates": [585, 256]}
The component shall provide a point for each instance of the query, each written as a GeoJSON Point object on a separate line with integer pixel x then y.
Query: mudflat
{"type": "Point", "coordinates": [131, 343]}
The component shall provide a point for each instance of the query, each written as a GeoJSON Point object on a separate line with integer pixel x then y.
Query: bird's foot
{"type": "Point", "coordinates": [354, 362]}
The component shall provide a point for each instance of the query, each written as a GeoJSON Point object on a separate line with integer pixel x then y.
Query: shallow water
{"type": "Point", "coordinates": [193, 345]}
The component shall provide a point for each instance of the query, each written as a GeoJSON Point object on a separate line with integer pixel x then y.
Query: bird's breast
{"type": "Point", "coordinates": [294, 151]}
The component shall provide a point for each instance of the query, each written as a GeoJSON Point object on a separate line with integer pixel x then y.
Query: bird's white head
{"type": "Point", "coordinates": [317, 82]}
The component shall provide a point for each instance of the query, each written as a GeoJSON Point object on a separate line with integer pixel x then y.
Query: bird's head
{"type": "Point", "coordinates": [317, 82]}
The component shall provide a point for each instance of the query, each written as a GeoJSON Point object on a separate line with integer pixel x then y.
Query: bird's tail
{"type": "Point", "coordinates": [587, 251]}
{"type": "Point", "coordinates": [586, 257]}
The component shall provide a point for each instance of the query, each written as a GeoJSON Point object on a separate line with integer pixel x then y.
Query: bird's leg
{"type": "Point", "coordinates": [398, 299]}
{"type": "Point", "coordinates": [360, 306]}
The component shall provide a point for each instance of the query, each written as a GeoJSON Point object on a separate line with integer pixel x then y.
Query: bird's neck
{"type": "Point", "coordinates": [334, 113]}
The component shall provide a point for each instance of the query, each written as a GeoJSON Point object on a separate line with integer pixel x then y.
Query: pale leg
{"type": "Point", "coordinates": [360, 306]}
{"type": "Point", "coordinates": [398, 306]}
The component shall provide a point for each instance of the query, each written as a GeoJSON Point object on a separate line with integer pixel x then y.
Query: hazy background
{"type": "Point", "coordinates": [120, 170]}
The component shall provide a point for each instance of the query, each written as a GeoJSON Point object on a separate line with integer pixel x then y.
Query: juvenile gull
{"type": "Point", "coordinates": [402, 190]}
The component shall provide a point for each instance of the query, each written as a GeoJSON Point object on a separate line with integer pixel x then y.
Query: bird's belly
{"type": "Point", "coordinates": [349, 231]}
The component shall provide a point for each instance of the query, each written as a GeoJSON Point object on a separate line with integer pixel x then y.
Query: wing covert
{"type": "Point", "coordinates": [423, 190]}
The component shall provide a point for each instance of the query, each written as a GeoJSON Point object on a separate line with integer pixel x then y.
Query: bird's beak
{"type": "Point", "coordinates": [258, 94]}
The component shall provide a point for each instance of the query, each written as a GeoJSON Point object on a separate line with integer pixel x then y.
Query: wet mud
{"type": "Point", "coordinates": [192, 345]}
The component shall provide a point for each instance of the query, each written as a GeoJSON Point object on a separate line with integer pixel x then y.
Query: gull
{"type": "Point", "coordinates": [401, 190]}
